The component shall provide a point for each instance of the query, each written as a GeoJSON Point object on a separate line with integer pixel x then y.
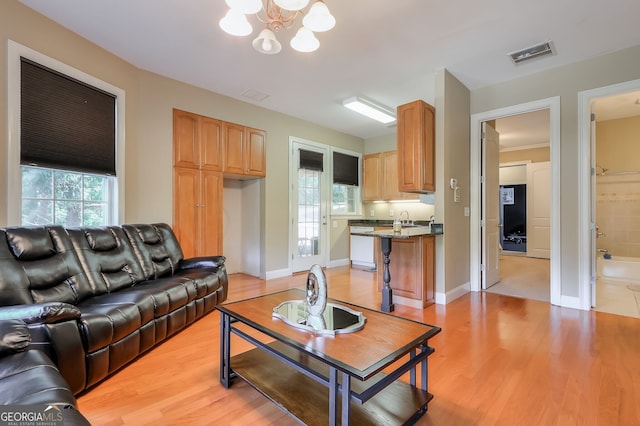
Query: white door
{"type": "Point", "coordinates": [490, 206]}
{"type": "Point", "coordinates": [539, 210]}
{"type": "Point", "coordinates": [309, 199]}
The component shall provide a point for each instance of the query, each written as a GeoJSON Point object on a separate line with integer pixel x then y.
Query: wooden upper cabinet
{"type": "Point", "coordinates": [186, 136]}
{"type": "Point", "coordinates": [244, 151]}
{"type": "Point", "coordinates": [197, 141]}
{"type": "Point", "coordinates": [371, 177]}
{"type": "Point", "coordinates": [416, 147]}
{"type": "Point", "coordinates": [255, 153]}
{"type": "Point", "coordinates": [390, 176]}
{"type": "Point", "coordinates": [210, 144]}
{"type": "Point", "coordinates": [380, 181]}
{"type": "Point", "coordinates": [234, 136]}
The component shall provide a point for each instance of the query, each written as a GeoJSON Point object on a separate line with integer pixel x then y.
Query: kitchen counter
{"type": "Point", "coordinates": [408, 232]}
{"type": "Point", "coordinates": [414, 265]}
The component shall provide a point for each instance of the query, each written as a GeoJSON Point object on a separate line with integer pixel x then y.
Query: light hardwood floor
{"type": "Point", "coordinates": [499, 360]}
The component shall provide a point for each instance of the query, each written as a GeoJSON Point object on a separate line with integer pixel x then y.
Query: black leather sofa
{"type": "Point", "coordinates": [30, 378]}
{"type": "Point", "coordinates": [93, 299]}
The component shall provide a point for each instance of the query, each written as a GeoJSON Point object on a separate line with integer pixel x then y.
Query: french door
{"type": "Point", "coordinates": [309, 205]}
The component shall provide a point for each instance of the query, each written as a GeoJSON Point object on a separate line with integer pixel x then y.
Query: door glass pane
{"type": "Point", "coordinates": [308, 212]}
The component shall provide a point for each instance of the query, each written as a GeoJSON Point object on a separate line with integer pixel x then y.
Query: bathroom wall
{"type": "Point", "coordinates": [618, 195]}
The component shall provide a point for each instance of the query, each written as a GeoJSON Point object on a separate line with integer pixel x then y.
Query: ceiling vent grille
{"type": "Point", "coordinates": [532, 52]}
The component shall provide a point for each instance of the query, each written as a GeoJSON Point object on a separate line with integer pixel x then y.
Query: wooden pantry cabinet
{"type": "Point", "coordinates": [205, 151]}
{"type": "Point", "coordinates": [380, 178]}
{"type": "Point", "coordinates": [416, 147]}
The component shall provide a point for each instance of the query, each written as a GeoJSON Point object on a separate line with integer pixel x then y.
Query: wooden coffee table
{"type": "Point", "coordinates": [322, 379]}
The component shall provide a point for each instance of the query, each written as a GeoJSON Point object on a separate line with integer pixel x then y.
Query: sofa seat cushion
{"type": "Point", "coordinates": [32, 378]}
{"type": "Point", "coordinates": [143, 300]}
{"type": "Point", "coordinates": [169, 294]}
{"type": "Point", "coordinates": [103, 324]}
{"type": "Point", "coordinates": [205, 280]}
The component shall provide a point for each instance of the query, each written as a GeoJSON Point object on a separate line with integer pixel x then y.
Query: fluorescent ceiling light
{"type": "Point", "coordinates": [370, 109]}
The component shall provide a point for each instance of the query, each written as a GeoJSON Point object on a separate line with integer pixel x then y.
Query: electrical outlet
{"type": "Point", "coordinates": [390, 212]}
{"type": "Point", "coordinates": [335, 223]}
{"type": "Point", "coordinates": [372, 213]}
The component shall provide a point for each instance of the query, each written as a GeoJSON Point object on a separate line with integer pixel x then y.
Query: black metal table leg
{"type": "Point", "coordinates": [225, 350]}
{"type": "Point", "coordinates": [387, 294]}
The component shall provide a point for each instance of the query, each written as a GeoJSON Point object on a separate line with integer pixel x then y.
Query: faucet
{"type": "Point", "coordinates": [406, 222]}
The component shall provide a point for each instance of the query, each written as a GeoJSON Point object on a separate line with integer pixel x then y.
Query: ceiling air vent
{"type": "Point", "coordinates": [536, 51]}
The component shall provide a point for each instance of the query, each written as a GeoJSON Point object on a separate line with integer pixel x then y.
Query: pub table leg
{"type": "Point", "coordinates": [387, 294]}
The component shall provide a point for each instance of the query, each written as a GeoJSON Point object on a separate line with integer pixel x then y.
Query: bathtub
{"type": "Point", "coordinates": [618, 268]}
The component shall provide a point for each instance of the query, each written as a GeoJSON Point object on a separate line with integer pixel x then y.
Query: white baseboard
{"type": "Point", "coordinates": [451, 295]}
{"type": "Point", "coordinates": [339, 262]}
{"type": "Point", "coordinates": [278, 273]}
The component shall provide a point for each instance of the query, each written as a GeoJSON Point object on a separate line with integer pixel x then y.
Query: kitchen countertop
{"type": "Point", "coordinates": [417, 231]}
{"type": "Point", "coordinates": [382, 222]}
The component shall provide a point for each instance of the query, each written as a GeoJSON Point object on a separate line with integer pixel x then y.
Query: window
{"type": "Point", "coordinates": [345, 194]}
{"type": "Point", "coordinates": [64, 197]}
{"type": "Point", "coordinates": [67, 146]}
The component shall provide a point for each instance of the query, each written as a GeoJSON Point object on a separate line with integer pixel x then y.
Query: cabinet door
{"type": "Point", "coordinates": [255, 153]}
{"type": "Point", "coordinates": [371, 177]}
{"type": "Point", "coordinates": [210, 144]}
{"type": "Point", "coordinates": [233, 140]}
{"type": "Point", "coordinates": [185, 139]}
{"type": "Point", "coordinates": [390, 176]}
{"type": "Point", "coordinates": [211, 213]}
{"type": "Point", "coordinates": [186, 196]}
{"type": "Point", "coordinates": [416, 147]}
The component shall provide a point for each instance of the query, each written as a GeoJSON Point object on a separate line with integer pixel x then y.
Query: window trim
{"type": "Point", "coordinates": [14, 181]}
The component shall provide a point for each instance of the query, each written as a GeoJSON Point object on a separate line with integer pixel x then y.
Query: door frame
{"type": "Point", "coordinates": [475, 246]}
{"type": "Point", "coordinates": [585, 199]}
{"type": "Point", "coordinates": [325, 200]}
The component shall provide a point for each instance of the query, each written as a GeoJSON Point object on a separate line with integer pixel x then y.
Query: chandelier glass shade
{"type": "Point", "coordinates": [276, 15]}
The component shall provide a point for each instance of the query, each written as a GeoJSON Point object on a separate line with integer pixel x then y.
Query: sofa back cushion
{"type": "Point", "coordinates": [38, 264]}
{"type": "Point", "coordinates": [156, 248]}
{"type": "Point", "coordinates": [107, 258]}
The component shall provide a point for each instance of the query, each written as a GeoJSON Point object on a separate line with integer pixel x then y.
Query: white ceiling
{"type": "Point", "coordinates": [383, 50]}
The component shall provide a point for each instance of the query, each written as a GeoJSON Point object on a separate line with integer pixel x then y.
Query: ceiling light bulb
{"type": "Point", "coordinates": [291, 4]}
{"type": "Point", "coordinates": [319, 18]}
{"type": "Point", "coordinates": [267, 43]}
{"type": "Point", "coordinates": [305, 41]}
{"type": "Point", "coordinates": [246, 7]}
{"type": "Point", "coordinates": [235, 23]}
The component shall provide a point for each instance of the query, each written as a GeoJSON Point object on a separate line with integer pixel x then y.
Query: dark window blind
{"type": "Point", "coordinates": [64, 123]}
{"type": "Point", "coordinates": [311, 160]}
{"type": "Point", "coordinates": [345, 169]}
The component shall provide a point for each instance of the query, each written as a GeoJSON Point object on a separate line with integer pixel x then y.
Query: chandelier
{"type": "Point", "coordinates": [278, 14]}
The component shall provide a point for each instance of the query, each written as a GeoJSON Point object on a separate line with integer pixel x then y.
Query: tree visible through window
{"type": "Point", "coordinates": [64, 197]}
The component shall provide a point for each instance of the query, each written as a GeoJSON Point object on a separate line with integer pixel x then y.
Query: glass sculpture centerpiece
{"type": "Point", "coordinates": [315, 314]}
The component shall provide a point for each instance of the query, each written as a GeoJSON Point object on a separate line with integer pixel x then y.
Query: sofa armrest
{"type": "Point", "coordinates": [14, 336]}
{"type": "Point", "coordinates": [41, 313]}
{"type": "Point", "coordinates": [202, 262]}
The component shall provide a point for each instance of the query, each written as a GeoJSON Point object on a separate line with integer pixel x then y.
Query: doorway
{"type": "Point", "coordinates": [478, 201]}
{"type": "Point", "coordinates": [609, 124]}
{"type": "Point", "coordinates": [309, 176]}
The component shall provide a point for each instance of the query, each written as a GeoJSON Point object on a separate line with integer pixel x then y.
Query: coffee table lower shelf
{"type": "Point", "coordinates": [308, 401]}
